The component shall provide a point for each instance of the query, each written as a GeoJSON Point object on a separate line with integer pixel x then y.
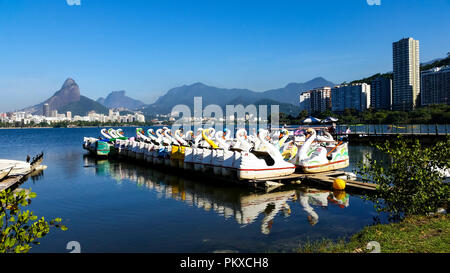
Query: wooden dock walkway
{"type": "Point", "coordinates": [326, 179]}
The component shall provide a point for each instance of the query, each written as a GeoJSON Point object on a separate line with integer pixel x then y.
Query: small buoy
{"type": "Point", "coordinates": [339, 184]}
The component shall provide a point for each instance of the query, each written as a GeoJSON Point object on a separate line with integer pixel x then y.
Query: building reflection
{"type": "Point", "coordinates": [232, 202]}
{"type": "Point", "coordinates": [359, 153]}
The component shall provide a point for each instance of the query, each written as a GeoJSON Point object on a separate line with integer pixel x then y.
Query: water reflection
{"type": "Point", "coordinates": [310, 198]}
{"type": "Point", "coordinates": [359, 153]}
{"type": "Point", "coordinates": [228, 200]}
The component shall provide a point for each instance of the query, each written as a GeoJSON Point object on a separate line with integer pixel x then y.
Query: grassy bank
{"type": "Point", "coordinates": [417, 234]}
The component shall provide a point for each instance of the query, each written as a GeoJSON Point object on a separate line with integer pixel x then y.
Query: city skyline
{"type": "Point", "coordinates": [149, 48]}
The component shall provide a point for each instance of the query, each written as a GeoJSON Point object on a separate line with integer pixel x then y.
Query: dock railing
{"type": "Point", "coordinates": [384, 129]}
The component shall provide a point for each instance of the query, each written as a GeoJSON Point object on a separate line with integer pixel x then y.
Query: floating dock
{"type": "Point", "coordinates": [325, 179]}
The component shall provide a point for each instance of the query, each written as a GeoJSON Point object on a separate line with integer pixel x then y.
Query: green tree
{"type": "Point", "coordinates": [380, 117]}
{"type": "Point", "coordinates": [420, 117]}
{"type": "Point", "coordinates": [303, 115]}
{"type": "Point", "coordinates": [412, 183]}
{"type": "Point", "coordinates": [21, 228]}
{"type": "Point", "coordinates": [397, 118]}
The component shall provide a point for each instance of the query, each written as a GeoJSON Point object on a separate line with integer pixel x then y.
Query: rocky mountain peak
{"type": "Point", "coordinates": [69, 93]}
{"type": "Point", "coordinates": [69, 82]}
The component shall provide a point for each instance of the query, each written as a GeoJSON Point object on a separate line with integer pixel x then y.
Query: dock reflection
{"type": "Point", "coordinates": [228, 200]}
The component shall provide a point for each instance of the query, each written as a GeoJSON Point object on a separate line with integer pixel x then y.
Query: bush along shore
{"type": "Point", "coordinates": [412, 191]}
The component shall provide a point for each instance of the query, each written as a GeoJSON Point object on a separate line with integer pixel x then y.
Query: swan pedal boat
{"type": "Point", "coordinates": [5, 172]}
{"type": "Point", "coordinates": [258, 156]}
{"type": "Point", "coordinates": [13, 168]}
{"type": "Point", "coordinates": [316, 158]}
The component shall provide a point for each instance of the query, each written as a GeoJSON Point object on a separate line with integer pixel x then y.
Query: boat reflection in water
{"type": "Point", "coordinates": [321, 198]}
{"type": "Point", "coordinates": [228, 200]}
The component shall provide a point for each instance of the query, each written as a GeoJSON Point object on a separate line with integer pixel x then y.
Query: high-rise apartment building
{"type": "Point", "coordinates": [353, 96]}
{"type": "Point", "coordinates": [406, 86]}
{"type": "Point", "coordinates": [320, 99]}
{"type": "Point", "coordinates": [381, 93]}
{"type": "Point", "coordinates": [305, 101]}
{"type": "Point", "coordinates": [316, 100]}
{"type": "Point", "coordinates": [46, 110]}
{"type": "Point", "coordinates": [435, 86]}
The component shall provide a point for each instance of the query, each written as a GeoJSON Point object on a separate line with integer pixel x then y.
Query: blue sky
{"type": "Point", "coordinates": [147, 47]}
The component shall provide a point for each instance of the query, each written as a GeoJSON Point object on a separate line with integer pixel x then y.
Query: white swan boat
{"type": "Point", "coordinates": [268, 163]}
{"type": "Point", "coordinates": [316, 158]}
{"type": "Point", "coordinates": [5, 171]}
{"type": "Point", "coordinates": [14, 167]}
{"type": "Point", "coordinates": [261, 155]}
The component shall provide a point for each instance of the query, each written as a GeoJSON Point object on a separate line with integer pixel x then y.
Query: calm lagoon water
{"type": "Point", "coordinates": [112, 206]}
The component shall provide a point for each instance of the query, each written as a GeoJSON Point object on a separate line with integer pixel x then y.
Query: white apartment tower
{"type": "Point", "coordinates": [406, 87]}
{"type": "Point", "coordinates": [354, 96]}
{"type": "Point", "coordinates": [305, 101]}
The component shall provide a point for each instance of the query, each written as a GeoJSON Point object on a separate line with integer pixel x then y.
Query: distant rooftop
{"type": "Point", "coordinates": [437, 69]}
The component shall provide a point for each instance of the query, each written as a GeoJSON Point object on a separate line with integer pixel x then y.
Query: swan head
{"type": "Point", "coordinates": [210, 132]}
{"type": "Point", "coordinates": [263, 134]}
{"type": "Point", "coordinates": [310, 132]}
{"type": "Point", "coordinates": [242, 133]}
{"type": "Point", "coordinates": [283, 133]}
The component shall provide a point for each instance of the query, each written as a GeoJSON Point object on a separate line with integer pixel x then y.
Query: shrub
{"type": "Point", "coordinates": [411, 184]}
{"type": "Point", "coordinates": [20, 229]}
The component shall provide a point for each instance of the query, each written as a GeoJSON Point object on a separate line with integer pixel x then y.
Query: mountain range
{"type": "Point", "coordinates": [69, 98]}
{"type": "Point", "coordinates": [288, 95]}
{"type": "Point", "coordinates": [118, 99]}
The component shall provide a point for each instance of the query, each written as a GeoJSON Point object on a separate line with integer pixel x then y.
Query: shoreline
{"type": "Point", "coordinates": [414, 234]}
{"type": "Point", "coordinates": [78, 127]}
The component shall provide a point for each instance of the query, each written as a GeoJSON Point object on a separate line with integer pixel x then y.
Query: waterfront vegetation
{"type": "Point", "coordinates": [435, 114]}
{"type": "Point", "coordinates": [412, 182]}
{"type": "Point", "coordinates": [21, 229]}
{"type": "Point", "coordinates": [415, 234]}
